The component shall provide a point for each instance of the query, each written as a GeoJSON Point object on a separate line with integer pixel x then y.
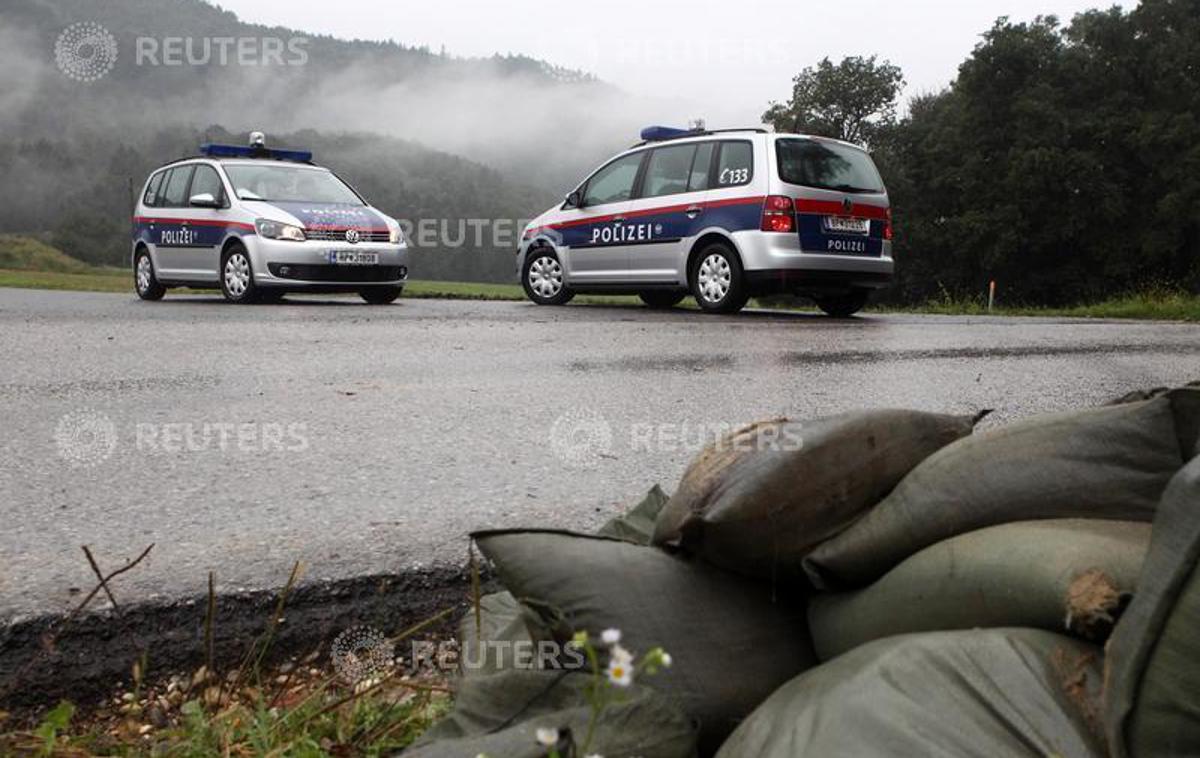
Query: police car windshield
{"type": "Point", "coordinates": [289, 184]}
{"type": "Point", "coordinates": [827, 165]}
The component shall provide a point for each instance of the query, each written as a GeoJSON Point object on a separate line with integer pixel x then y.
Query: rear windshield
{"type": "Point", "coordinates": [826, 165]}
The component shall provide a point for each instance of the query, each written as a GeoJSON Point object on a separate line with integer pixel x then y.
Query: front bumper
{"type": "Point", "coordinates": [305, 265]}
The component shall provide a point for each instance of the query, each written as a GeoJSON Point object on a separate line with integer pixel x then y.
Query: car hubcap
{"type": "Point", "coordinates": [546, 277]}
{"type": "Point", "coordinates": [715, 278]}
{"type": "Point", "coordinates": [143, 273]}
{"type": "Point", "coordinates": [237, 274]}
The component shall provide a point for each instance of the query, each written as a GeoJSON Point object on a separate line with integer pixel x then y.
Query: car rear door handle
{"type": "Point", "coordinates": [694, 211]}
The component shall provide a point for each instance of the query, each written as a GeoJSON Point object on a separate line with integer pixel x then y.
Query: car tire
{"type": "Point", "coordinates": [381, 295]}
{"type": "Point", "coordinates": [843, 306]}
{"type": "Point", "coordinates": [237, 276]}
{"type": "Point", "coordinates": [662, 299]}
{"type": "Point", "coordinates": [717, 281]}
{"type": "Point", "coordinates": [145, 281]}
{"type": "Point", "coordinates": [542, 277]}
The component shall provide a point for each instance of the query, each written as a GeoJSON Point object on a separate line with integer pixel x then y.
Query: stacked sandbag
{"type": "Point", "coordinates": [498, 714]}
{"type": "Point", "coordinates": [1064, 575]}
{"type": "Point", "coordinates": [1110, 463]}
{"type": "Point", "coordinates": [1152, 692]}
{"type": "Point", "coordinates": [1000, 693]}
{"type": "Point", "coordinates": [733, 641]}
{"type": "Point", "coordinates": [758, 500]}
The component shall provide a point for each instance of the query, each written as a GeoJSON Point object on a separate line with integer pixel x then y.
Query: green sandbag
{"type": "Point", "coordinates": [501, 620]}
{"type": "Point", "coordinates": [759, 499]}
{"type": "Point", "coordinates": [1058, 575]}
{"type": "Point", "coordinates": [993, 693]}
{"type": "Point", "coordinates": [499, 714]}
{"type": "Point", "coordinates": [1152, 696]}
{"type": "Point", "coordinates": [1185, 402]}
{"type": "Point", "coordinates": [732, 642]}
{"type": "Point", "coordinates": [637, 526]}
{"type": "Point", "coordinates": [1111, 462]}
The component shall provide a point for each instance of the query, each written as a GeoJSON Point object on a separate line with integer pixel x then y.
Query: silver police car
{"type": "Point", "coordinates": [722, 215]}
{"type": "Point", "coordinates": [259, 223]}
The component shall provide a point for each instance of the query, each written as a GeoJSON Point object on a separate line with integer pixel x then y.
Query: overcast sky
{"type": "Point", "coordinates": [726, 58]}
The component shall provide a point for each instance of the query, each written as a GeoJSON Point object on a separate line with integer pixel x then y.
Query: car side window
{"type": "Point", "coordinates": [614, 182]}
{"type": "Point", "coordinates": [174, 194]}
{"type": "Point", "coordinates": [701, 163]}
{"type": "Point", "coordinates": [150, 199]}
{"type": "Point", "coordinates": [736, 164]}
{"type": "Point", "coordinates": [669, 170]}
{"type": "Point", "coordinates": [206, 180]}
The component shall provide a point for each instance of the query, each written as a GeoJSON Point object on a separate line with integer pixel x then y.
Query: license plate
{"type": "Point", "coordinates": [353, 258]}
{"type": "Point", "coordinates": [847, 225]}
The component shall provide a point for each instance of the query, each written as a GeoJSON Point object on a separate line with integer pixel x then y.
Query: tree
{"type": "Point", "coordinates": [851, 101]}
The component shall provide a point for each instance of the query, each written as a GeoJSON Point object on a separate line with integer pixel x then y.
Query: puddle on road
{"type": "Point", "coordinates": [795, 358]}
{"type": "Point", "coordinates": [673, 364]}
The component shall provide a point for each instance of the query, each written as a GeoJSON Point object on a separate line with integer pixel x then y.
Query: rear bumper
{"type": "Point", "coordinates": [775, 263]}
{"type": "Point", "coordinates": [801, 281]}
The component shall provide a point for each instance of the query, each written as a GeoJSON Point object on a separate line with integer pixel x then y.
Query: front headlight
{"type": "Point", "coordinates": [277, 230]}
{"type": "Point", "coordinates": [395, 236]}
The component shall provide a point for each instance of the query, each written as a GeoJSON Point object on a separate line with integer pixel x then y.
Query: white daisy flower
{"type": "Point", "coordinates": [547, 737]}
{"type": "Point", "coordinates": [618, 653]}
{"type": "Point", "coordinates": [620, 672]}
{"type": "Point", "coordinates": [610, 636]}
{"type": "Point", "coordinates": [666, 660]}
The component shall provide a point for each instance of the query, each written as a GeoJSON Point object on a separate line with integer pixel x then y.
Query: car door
{"type": "Point", "coordinates": [594, 232]}
{"type": "Point", "coordinates": [167, 228]}
{"type": "Point", "coordinates": [669, 211]}
{"type": "Point", "coordinates": [208, 211]}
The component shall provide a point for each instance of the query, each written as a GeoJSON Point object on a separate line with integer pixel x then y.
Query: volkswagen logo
{"type": "Point", "coordinates": [352, 236]}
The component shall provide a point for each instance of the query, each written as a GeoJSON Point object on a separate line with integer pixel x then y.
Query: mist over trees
{"type": "Point", "coordinates": [1063, 162]}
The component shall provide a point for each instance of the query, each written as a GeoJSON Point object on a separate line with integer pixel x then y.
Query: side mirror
{"type": "Point", "coordinates": [574, 200]}
{"type": "Point", "coordinates": [203, 200]}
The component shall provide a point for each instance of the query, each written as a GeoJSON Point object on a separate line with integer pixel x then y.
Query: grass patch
{"type": "Point", "coordinates": [29, 263]}
{"type": "Point", "coordinates": [1151, 304]}
{"type": "Point", "coordinates": [29, 253]}
{"type": "Point", "coordinates": [295, 711]}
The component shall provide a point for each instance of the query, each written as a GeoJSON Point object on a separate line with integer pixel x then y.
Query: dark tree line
{"type": "Point", "coordinates": [1063, 162]}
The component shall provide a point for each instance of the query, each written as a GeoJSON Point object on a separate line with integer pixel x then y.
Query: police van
{"type": "Point", "coordinates": [724, 215]}
{"type": "Point", "coordinates": [259, 223]}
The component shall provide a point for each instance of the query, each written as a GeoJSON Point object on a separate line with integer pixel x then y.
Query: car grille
{"type": "Point", "coordinates": [317, 273]}
{"type": "Point", "coordinates": [339, 235]}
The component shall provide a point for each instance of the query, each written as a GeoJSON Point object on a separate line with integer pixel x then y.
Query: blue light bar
{"type": "Point", "coordinates": [659, 133]}
{"type": "Point", "coordinates": [240, 151]}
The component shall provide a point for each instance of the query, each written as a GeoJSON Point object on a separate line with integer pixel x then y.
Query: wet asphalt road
{"type": "Point", "coordinates": [372, 439]}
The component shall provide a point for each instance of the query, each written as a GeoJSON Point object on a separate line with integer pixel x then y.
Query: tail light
{"type": "Point", "coordinates": [779, 214]}
{"type": "Point", "coordinates": [887, 227]}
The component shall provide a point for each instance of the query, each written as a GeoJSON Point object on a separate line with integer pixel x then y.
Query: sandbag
{"type": "Point", "coordinates": [994, 693]}
{"type": "Point", "coordinates": [732, 641]}
{"type": "Point", "coordinates": [501, 620]}
{"type": "Point", "coordinates": [758, 500]}
{"type": "Point", "coordinates": [499, 714]}
{"type": "Point", "coordinates": [1111, 462]}
{"type": "Point", "coordinates": [1185, 402]}
{"type": "Point", "coordinates": [637, 526]}
{"type": "Point", "coordinates": [1059, 575]}
{"type": "Point", "coordinates": [1152, 693]}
